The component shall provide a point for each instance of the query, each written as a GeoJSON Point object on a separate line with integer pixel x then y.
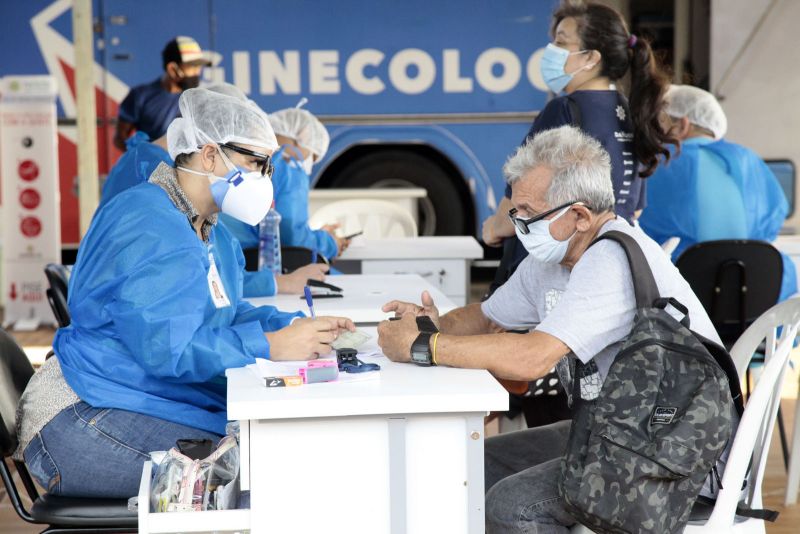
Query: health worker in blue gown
{"type": "Point", "coordinates": [157, 311]}
{"type": "Point", "coordinates": [141, 159]}
{"type": "Point", "coordinates": [713, 189]}
{"type": "Point", "coordinates": [304, 141]}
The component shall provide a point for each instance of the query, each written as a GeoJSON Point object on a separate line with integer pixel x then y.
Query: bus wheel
{"type": "Point", "coordinates": [447, 208]}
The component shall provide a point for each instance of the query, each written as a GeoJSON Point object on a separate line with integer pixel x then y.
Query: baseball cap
{"type": "Point", "coordinates": [184, 50]}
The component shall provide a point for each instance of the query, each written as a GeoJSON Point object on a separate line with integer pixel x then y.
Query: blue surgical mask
{"type": "Point", "coordinates": [541, 244]}
{"type": "Point", "coordinates": [552, 66]}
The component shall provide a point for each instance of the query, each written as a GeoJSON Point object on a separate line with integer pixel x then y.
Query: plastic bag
{"type": "Point", "coordinates": [181, 484]}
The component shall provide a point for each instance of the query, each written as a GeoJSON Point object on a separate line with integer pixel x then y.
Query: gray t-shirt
{"type": "Point", "coordinates": [591, 308]}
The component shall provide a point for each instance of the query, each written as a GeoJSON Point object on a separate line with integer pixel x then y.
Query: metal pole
{"type": "Point", "coordinates": [681, 39]}
{"type": "Point", "coordinates": [88, 183]}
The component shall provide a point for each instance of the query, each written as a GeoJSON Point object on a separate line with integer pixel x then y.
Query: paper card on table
{"type": "Point", "coordinates": [351, 340]}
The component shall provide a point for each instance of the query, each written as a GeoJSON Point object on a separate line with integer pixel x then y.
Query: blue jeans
{"type": "Point", "coordinates": [99, 452]}
{"type": "Point", "coordinates": [522, 470]}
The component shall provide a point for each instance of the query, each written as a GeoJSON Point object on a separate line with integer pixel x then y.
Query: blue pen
{"type": "Point", "coordinates": [309, 301]}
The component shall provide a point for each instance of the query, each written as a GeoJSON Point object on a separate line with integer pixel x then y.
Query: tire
{"type": "Point", "coordinates": [446, 210]}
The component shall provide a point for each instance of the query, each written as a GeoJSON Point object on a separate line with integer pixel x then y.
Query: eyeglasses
{"type": "Point", "coordinates": [522, 224]}
{"type": "Point", "coordinates": [265, 160]}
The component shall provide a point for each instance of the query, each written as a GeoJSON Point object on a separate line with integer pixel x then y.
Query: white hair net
{"type": "Point", "coordinates": [303, 127]}
{"type": "Point", "coordinates": [213, 117]}
{"type": "Point", "coordinates": [699, 106]}
{"type": "Point", "coordinates": [227, 89]}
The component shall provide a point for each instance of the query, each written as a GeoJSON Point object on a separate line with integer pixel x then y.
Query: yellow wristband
{"type": "Point", "coordinates": [435, 338]}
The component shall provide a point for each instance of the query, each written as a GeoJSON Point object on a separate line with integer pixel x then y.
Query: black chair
{"type": "Point", "coordinates": [58, 514]}
{"type": "Point", "coordinates": [57, 293]}
{"type": "Point", "coordinates": [291, 258]}
{"type": "Point", "coordinates": [736, 281]}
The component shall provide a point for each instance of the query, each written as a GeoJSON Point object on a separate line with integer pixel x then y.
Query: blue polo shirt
{"type": "Point", "coordinates": [150, 108]}
{"type": "Point", "coordinates": [605, 116]}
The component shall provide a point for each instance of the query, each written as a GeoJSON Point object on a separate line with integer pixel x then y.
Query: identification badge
{"type": "Point", "coordinates": [215, 286]}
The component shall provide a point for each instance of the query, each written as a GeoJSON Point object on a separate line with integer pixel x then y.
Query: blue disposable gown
{"type": "Point", "coordinates": [136, 166]}
{"type": "Point", "coordinates": [716, 190]}
{"type": "Point", "coordinates": [145, 334]}
{"type": "Point", "coordinates": [291, 185]}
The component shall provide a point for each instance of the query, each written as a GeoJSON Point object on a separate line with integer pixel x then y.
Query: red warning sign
{"type": "Point", "coordinates": [31, 226]}
{"type": "Point", "coordinates": [30, 198]}
{"type": "Point", "coordinates": [28, 170]}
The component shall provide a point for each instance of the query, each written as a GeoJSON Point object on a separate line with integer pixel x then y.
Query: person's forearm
{"type": "Point", "coordinates": [465, 321]}
{"type": "Point", "coordinates": [503, 227]}
{"type": "Point", "coordinates": [523, 357]}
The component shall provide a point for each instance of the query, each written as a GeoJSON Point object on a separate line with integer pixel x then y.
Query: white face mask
{"type": "Point", "coordinates": [541, 244]}
{"type": "Point", "coordinates": [244, 195]}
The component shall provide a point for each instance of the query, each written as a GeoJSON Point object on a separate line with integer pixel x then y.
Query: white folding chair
{"type": "Point", "coordinates": [378, 219]}
{"type": "Point", "coordinates": [755, 429]}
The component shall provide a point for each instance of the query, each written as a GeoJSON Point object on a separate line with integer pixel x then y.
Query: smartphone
{"type": "Point", "coordinates": [351, 236]}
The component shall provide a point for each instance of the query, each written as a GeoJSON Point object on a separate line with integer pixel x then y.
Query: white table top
{"type": "Point", "coordinates": [364, 294]}
{"type": "Point", "coordinates": [411, 248]}
{"type": "Point", "coordinates": [403, 388]}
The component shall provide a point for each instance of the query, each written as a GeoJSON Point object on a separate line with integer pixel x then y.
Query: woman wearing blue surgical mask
{"type": "Point", "coordinates": [592, 51]}
{"type": "Point", "coordinates": [157, 311]}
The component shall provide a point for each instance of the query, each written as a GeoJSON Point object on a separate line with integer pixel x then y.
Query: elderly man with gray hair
{"type": "Point", "coordinates": [574, 301]}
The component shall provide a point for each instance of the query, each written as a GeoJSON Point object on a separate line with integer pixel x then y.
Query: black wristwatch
{"type": "Point", "coordinates": [421, 350]}
{"type": "Point", "coordinates": [425, 324]}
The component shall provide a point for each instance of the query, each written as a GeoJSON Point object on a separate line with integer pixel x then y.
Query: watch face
{"type": "Point", "coordinates": [420, 350]}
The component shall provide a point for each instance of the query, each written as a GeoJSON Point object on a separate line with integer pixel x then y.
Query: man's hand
{"type": "Point", "coordinates": [428, 308]}
{"type": "Point", "coordinates": [306, 339]}
{"type": "Point", "coordinates": [294, 282]}
{"type": "Point", "coordinates": [396, 337]}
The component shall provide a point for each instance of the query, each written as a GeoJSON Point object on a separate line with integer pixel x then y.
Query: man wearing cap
{"type": "Point", "coordinates": [149, 108]}
{"type": "Point", "coordinates": [713, 189]}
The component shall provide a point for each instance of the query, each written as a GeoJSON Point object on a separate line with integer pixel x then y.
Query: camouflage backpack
{"type": "Point", "coordinates": [639, 452]}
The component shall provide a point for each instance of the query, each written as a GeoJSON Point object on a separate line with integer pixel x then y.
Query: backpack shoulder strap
{"type": "Point", "coordinates": [644, 284]}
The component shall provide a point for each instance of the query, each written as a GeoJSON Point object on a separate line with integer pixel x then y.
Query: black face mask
{"type": "Point", "coordinates": [189, 82]}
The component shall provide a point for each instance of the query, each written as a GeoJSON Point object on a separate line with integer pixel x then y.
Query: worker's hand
{"type": "Point", "coordinates": [294, 282]}
{"type": "Point", "coordinates": [341, 245]}
{"type": "Point", "coordinates": [341, 242]}
{"type": "Point", "coordinates": [497, 228]}
{"type": "Point", "coordinates": [396, 337]}
{"type": "Point", "coordinates": [428, 308]}
{"type": "Point", "coordinates": [306, 339]}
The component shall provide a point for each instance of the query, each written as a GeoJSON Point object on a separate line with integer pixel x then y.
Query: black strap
{"type": "Point", "coordinates": [644, 285]}
{"type": "Point", "coordinates": [743, 510]}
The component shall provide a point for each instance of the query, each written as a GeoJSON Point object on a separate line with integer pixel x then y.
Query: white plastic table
{"type": "Point", "coordinates": [442, 260]}
{"type": "Point", "coordinates": [402, 454]}
{"type": "Point", "coordinates": [364, 295]}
